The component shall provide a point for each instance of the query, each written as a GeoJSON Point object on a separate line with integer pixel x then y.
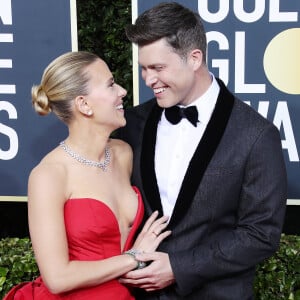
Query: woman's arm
{"type": "Point", "coordinates": [46, 198]}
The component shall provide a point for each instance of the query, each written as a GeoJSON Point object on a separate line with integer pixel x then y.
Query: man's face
{"type": "Point", "coordinates": [171, 77]}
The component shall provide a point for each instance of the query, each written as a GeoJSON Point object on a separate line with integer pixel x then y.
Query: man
{"type": "Point", "coordinates": [220, 177]}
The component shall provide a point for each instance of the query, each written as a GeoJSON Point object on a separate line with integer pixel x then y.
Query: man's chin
{"type": "Point", "coordinates": [164, 103]}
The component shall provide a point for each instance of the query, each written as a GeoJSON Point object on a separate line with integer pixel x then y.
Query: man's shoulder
{"type": "Point", "coordinates": [144, 107]}
{"type": "Point", "coordinates": [242, 112]}
{"type": "Point", "coordinates": [140, 112]}
{"type": "Point", "coordinates": [247, 119]}
{"type": "Point", "coordinates": [244, 109]}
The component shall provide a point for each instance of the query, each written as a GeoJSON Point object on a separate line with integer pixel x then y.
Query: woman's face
{"type": "Point", "coordinates": [105, 96]}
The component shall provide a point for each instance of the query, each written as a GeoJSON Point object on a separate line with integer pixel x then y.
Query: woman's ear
{"type": "Point", "coordinates": [196, 58]}
{"type": "Point", "coordinates": [82, 106]}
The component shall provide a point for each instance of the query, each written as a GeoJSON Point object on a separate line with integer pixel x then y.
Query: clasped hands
{"type": "Point", "coordinates": [158, 274]}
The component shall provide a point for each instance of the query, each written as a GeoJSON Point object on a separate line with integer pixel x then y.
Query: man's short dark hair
{"type": "Point", "coordinates": [182, 28]}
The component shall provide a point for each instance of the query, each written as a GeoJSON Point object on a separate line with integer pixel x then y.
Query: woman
{"type": "Point", "coordinates": [83, 211]}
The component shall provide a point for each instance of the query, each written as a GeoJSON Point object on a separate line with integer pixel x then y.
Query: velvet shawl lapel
{"type": "Point", "coordinates": [199, 162]}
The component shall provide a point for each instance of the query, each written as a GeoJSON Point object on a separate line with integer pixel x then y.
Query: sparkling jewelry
{"type": "Point", "coordinates": [133, 253]}
{"type": "Point", "coordinates": [101, 165]}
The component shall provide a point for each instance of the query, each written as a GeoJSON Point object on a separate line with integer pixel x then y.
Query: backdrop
{"type": "Point", "coordinates": [254, 47]}
{"type": "Point", "coordinates": [32, 33]}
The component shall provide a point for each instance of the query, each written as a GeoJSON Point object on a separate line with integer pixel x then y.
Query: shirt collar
{"type": "Point", "coordinates": [206, 103]}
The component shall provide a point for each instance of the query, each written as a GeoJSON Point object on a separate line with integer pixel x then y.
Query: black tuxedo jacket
{"type": "Point", "coordinates": [230, 209]}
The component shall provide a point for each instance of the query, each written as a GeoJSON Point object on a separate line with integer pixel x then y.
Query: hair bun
{"type": "Point", "coordinates": [40, 100]}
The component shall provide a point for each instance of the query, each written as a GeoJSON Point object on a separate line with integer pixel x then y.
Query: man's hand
{"type": "Point", "coordinates": [156, 276]}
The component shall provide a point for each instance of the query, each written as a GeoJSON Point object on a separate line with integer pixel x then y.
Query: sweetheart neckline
{"type": "Point", "coordinates": [106, 205]}
{"type": "Point", "coordinates": [137, 192]}
{"type": "Point", "coordinates": [100, 202]}
{"type": "Point", "coordinates": [96, 200]}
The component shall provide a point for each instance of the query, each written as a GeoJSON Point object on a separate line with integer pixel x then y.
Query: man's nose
{"type": "Point", "coordinates": [150, 78]}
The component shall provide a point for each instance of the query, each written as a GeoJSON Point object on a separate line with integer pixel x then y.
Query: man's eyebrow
{"type": "Point", "coordinates": [153, 65]}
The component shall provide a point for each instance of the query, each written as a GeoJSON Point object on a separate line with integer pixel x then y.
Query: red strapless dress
{"type": "Point", "coordinates": [93, 234]}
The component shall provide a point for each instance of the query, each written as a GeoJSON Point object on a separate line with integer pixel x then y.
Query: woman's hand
{"type": "Point", "coordinates": [152, 233]}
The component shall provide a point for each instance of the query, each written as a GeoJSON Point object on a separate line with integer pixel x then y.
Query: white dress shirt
{"type": "Point", "coordinates": [176, 144]}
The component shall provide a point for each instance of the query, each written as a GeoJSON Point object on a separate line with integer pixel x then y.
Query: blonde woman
{"type": "Point", "coordinates": [83, 211]}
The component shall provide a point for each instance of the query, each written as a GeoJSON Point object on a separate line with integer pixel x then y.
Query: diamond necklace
{"type": "Point", "coordinates": [101, 165]}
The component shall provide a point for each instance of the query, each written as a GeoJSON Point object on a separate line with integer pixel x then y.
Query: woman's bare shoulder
{"type": "Point", "coordinates": [122, 153]}
{"type": "Point", "coordinates": [51, 168]}
{"type": "Point", "coordinates": [120, 147]}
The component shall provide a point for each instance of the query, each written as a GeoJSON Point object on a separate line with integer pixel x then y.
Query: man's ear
{"type": "Point", "coordinates": [82, 105]}
{"type": "Point", "coordinates": [196, 58]}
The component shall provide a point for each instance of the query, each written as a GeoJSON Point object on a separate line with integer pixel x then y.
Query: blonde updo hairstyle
{"type": "Point", "coordinates": [63, 80]}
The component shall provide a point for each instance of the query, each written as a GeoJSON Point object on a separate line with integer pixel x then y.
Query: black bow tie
{"type": "Point", "coordinates": [174, 114]}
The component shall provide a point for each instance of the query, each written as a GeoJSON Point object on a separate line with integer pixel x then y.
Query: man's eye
{"type": "Point", "coordinates": [158, 68]}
